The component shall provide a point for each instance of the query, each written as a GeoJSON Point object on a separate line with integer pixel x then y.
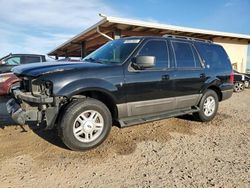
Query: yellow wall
{"type": "Point", "coordinates": [236, 50]}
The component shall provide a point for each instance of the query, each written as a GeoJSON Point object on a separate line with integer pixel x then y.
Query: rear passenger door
{"type": "Point", "coordinates": [189, 74]}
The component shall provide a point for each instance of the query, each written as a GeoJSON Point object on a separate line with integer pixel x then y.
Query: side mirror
{"type": "Point", "coordinates": [143, 62]}
{"type": "Point", "coordinates": [2, 62]}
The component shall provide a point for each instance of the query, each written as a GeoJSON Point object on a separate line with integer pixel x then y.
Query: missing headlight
{"type": "Point", "coordinates": [41, 87]}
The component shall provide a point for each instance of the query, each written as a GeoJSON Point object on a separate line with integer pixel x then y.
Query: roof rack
{"type": "Point", "coordinates": [187, 38]}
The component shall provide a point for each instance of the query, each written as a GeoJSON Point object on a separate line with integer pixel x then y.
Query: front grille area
{"type": "Point", "coordinates": [26, 85]}
{"type": "Point", "coordinates": [35, 86]}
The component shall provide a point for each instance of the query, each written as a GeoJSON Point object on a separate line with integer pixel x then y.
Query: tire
{"type": "Point", "coordinates": [239, 87]}
{"type": "Point", "coordinates": [85, 124]}
{"type": "Point", "coordinates": [208, 101]}
{"type": "Point", "coordinates": [247, 84]}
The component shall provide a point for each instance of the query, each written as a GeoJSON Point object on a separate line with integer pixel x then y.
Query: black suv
{"type": "Point", "coordinates": [125, 82]}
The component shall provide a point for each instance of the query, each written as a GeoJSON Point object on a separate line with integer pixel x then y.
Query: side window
{"type": "Point", "coordinates": [185, 55]}
{"type": "Point", "coordinates": [158, 49]}
{"type": "Point", "coordinates": [31, 59]}
{"type": "Point", "coordinates": [196, 58]}
{"type": "Point", "coordinates": [13, 61]}
{"type": "Point", "coordinates": [214, 55]}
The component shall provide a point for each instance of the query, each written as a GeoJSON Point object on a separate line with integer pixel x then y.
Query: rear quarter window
{"type": "Point", "coordinates": [214, 56]}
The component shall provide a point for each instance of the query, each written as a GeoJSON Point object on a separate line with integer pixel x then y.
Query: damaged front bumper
{"type": "Point", "coordinates": [27, 107]}
{"type": "Point", "coordinates": [16, 112]}
{"type": "Point", "coordinates": [29, 97]}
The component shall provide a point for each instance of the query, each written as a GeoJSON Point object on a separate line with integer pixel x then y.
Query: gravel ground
{"type": "Point", "coordinates": [178, 152]}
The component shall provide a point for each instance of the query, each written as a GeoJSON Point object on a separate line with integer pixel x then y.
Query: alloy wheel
{"type": "Point", "coordinates": [88, 126]}
{"type": "Point", "coordinates": [238, 87]}
{"type": "Point", "coordinates": [209, 106]}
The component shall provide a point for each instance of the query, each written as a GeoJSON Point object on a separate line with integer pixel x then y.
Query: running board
{"type": "Point", "coordinates": [126, 122]}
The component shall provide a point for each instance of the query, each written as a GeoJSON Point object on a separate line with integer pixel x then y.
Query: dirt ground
{"type": "Point", "coordinates": [177, 152]}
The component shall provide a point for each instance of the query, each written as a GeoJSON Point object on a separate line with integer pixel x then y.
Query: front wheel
{"type": "Point", "coordinates": [85, 124]}
{"type": "Point", "coordinates": [209, 104]}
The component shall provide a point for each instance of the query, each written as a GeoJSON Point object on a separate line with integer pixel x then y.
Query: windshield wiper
{"type": "Point", "coordinates": [92, 60]}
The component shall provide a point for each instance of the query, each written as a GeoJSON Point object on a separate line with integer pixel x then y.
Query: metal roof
{"type": "Point", "coordinates": [127, 27]}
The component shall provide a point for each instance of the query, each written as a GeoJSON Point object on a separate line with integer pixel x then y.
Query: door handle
{"type": "Point", "coordinates": [165, 77]}
{"type": "Point", "coordinates": [203, 75]}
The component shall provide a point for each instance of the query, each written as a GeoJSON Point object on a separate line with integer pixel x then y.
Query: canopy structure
{"type": "Point", "coordinates": [109, 28]}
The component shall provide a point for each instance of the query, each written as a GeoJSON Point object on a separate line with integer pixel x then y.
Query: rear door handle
{"type": "Point", "coordinates": [165, 77]}
{"type": "Point", "coordinates": [202, 75]}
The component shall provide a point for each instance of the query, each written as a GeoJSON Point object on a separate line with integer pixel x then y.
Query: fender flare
{"type": "Point", "coordinates": [92, 84]}
{"type": "Point", "coordinates": [215, 82]}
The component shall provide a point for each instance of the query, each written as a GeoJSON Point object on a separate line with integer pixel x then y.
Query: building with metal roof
{"type": "Point", "coordinates": [109, 28]}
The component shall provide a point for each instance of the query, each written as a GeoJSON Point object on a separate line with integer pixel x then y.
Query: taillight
{"type": "Point", "coordinates": [232, 77]}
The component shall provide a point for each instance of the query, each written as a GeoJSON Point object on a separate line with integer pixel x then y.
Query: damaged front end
{"type": "Point", "coordinates": [34, 102]}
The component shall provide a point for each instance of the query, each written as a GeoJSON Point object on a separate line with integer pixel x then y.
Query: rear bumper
{"type": "Point", "coordinates": [226, 94]}
{"type": "Point", "coordinates": [226, 90]}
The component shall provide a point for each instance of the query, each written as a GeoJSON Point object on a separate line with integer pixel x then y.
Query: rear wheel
{"type": "Point", "coordinates": [208, 106]}
{"type": "Point", "coordinates": [238, 86]}
{"type": "Point", "coordinates": [85, 124]}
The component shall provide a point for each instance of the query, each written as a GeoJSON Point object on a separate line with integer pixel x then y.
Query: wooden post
{"type": "Point", "coordinates": [116, 34]}
{"type": "Point", "coordinates": [66, 54]}
{"type": "Point", "coordinates": [83, 49]}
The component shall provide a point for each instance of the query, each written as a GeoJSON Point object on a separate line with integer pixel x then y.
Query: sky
{"type": "Point", "coordinates": [38, 26]}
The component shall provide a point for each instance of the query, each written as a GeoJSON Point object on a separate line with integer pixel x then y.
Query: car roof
{"type": "Point", "coordinates": [26, 55]}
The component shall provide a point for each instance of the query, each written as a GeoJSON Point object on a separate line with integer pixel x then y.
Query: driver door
{"type": "Point", "coordinates": [150, 90]}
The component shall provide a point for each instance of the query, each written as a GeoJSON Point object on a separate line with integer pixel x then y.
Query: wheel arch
{"type": "Point", "coordinates": [102, 95]}
{"type": "Point", "coordinates": [217, 90]}
{"type": "Point", "coordinates": [99, 89]}
{"type": "Point", "coordinates": [214, 84]}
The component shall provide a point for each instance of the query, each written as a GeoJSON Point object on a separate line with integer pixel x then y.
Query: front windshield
{"type": "Point", "coordinates": [116, 51]}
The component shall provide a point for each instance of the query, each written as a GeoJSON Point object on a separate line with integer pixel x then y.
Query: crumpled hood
{"type": "Point", "coordinates": [38, 69]}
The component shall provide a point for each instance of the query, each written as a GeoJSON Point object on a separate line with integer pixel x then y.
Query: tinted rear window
{"type": "Point", "coordinates": [214, 56]}
{"type": "Point", "coordinates": [185, 55]}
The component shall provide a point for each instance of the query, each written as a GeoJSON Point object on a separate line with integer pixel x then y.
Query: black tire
{"type": "Point", "coordinates": [201, 115]}
{"type": "Point", "coordinates": [68, 119]}
{"type": "Point", "coordinates": [239, 87]}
